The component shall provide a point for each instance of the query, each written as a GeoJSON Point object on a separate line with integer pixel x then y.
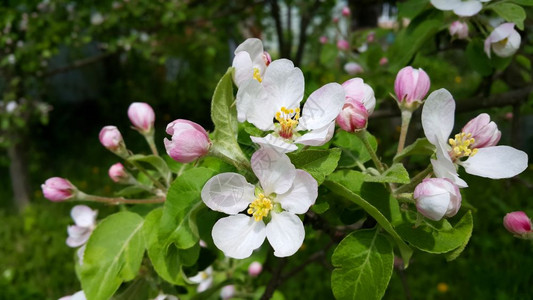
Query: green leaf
{"type": "Point", "coordinates": [157, 162]}
{"type": "Point", "coordinates": [353, 149]}
{"type": "Point", "coordinates": [420, 147]}
{"type": "Point", "coordinates": [349, 184]}
{"type": "Point", "coordinates": [524, 2]}
{"type": "Point", "coordinates": [396, 173]}
{"type": "Point", "coordinates": [113, 255]}
{"type": "Point", "coordinates": [319, 163]}
{"type": "Point", "coordinates": [178, 224]}
{"type": "Point", "coordinates": [328, 54]}
{"type": "Point", "coordinates": [438, 237]}
{"type": "Point", "coordinates": [363, 264]}
{"type": "Point", "coordinates": [224, 116]}
{"type": "Point", "coordinates": [165, 259]}
{"type": "Point", "coordinates": [477, 58]}
{"type": "Point", "coordinates": [410, 9]}
{"type": "Point", "coordinates": [510, 12]}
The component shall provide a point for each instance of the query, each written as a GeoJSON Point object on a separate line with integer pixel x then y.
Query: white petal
{"type": "Point", "coordinates": [433, 207]}
{"type": "Point", "coordinates": [438, 116]}
{"type": "Point", "coordinates": [317, 137]}
{"type": "Point", "coordinates": [510, 47]}
{"type": "Point", "coordinates": [501, 32]}
{"type": "Point", "coordinates": [496, 162]}
{"type": "Point", "coordinates": [243, 68]}
{"type": "Point", "coordinates": [285, 233]}
{"type": "Point", "coordinates": [468, 8]}
{"type": "Point", "coordinates": [284, 84]}
{"type": "Point", "coordinates": [248, 94]}
{"type": "Point", "coordinates": [78, 240]}
{"type": "Point", "coordinates": [443, 167]}
{"type": "Point", "coordinates": [274, 170]}
{"type": "Point", "coordinates": [301, 195]}
{"type": "Point", "coordinates": [228, 193]}
{"type": "Point", "coordinates": [254, 104]}
{"type": "Point", "coordinates": [276, 143]}
{"type": "Point", "coordinates": [204, 285]}
{"type": "Point", "coordinates": [254, 48]}
{"type": "Point", "coordinates": [238, 236]}
{"type": "Point", "coordinates": [445, 4]}
{"type": "Point", "coordinates": [83, 215]}
{"type": "Point", "coordinates": [202, 275]}
{"type": "Point", "coordinates": [79, 296]}
{"type": "Point", "coordinates": [323, 106]}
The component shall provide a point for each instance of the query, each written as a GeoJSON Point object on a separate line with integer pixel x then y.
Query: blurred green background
{"type": "Point", "coordinates": [73, 67]}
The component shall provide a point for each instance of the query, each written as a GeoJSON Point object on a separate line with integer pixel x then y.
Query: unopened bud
{"type": "Point", "coordinates": [517, 223]}
{"type": "Point", "coordinates": [111, 138]}
{"type": "Point", "coordinates": [142, 116]}
{"type": "Point", "coordinates": [484, 132]}
{"type": "Point", "coordinates": [255, 269]}
{"type": "Point", "coordinates": [343, 45]}
{"type": "Point", "coordinates": [323, 39]}
{"type": "Point", "coordinates": [267, 58]}
{"type": "Point", "coordinates": [359, 104]}
{"type": "Point", "coordinates": [437, 198]}
{"type": "Point", "coordinates": [227, 292]}
{"type": "Point", "coordinates": [189, 141]}
{"type": "Point", "coordinates": [118, 173]}
{"type": "Point", "coordinates": [346, 11]}
{"type": "Point", "coordinates": [353, 68]}
{"type": "Point", "coordinates": [58, 189]}
{"type": "Point", "coordinates": [411, 85]}
{"type": "Point", "coordinates": [459, 29]}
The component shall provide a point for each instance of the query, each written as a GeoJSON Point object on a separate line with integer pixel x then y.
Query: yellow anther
{"type": "Point", "coordinates": [462, 145]}
{"type": "Point", "coordinates": [257, 75]}
{"type": "Point", "coordinates": [288, 120]}
{"type": "Point", "coordinates": [260, 207]}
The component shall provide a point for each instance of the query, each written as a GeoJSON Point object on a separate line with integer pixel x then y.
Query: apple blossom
{"type": "Point", "coordinates": [111, 138]}
{"type": "Point", "coordinates": [504, 40]}
{"type": "Point", "coordinates": [204, 279]}
{"type": "Point", "coordinates": [165, 297]}
{"type": "Point", "coordinates": [411, 85]}
{"type": "Point", "coordinates": [282, 193]}
{"type": "Point", "coordinates": [359, 104]}
{"type": "Point", "coordinates": [353, 68]}
{"type": "Point", "coordinates": [250, 61]}
{"type": "Point", "coordinates": [461, 8]}
{"type": "Point", "coordinates": [58, 189]}
{"type": "Point", "coordinates": [189, 141]}
{"type": "Point", "coordinates": [76, 296]}
{"type": "Point", "coordinates": [486, 161]}
{"type": "Point", "coordinates": [517, 223]}
{"type": "Point", "coordinates": [227, 292]}
{"type": "Point", "coordinates": [437, 198]}
{"type": "Point", "coordinates": [274, 106]}
{"type": "Point", "coordinates": [78, 235]}
{"type": "Point", "coordinates": [459, 29]}
{"type": "Point", "coordinates": [142, 116]}
{"type": "Point", "coordinates": [255, 269]}
{"type": "Point", "coordinates": [343, 45]}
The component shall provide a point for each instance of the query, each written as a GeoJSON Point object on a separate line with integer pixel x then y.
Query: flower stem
{"type": "Point", "coordinates": [150, 140]}
{"type": "Point", "coordinates": [415, 181]}
{"type": "Point", "coordinates": [406, 119]}
{"type": "Point", "coordinates": [116, 201]}
{"type": "Point", "coordinates": [362, 136]}
{"type": "Point", "coordinates": [142, 170]}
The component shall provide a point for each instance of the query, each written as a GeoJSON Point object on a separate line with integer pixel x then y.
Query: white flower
{"type": "Point", "coordinates": [204, 279]}
{"type": "Point", "coordinates": [504, 40]}
{"type": "Point", "coordinates": [250, 61]}
{"type": "Point", "coordinates": [165, 297]}
{"type": "Point", "coordinates": [492, 162]}
{"type": "Point", "coordinates": [461, 8]}
{"type": "Point", "coordinates": [284, 192]}
{"type": "Point", "coordinates": [77, 296]}
{"type": "Point", "coordinates": [278, 98]}
{"type": "Point", "coordinates": [78, 235]}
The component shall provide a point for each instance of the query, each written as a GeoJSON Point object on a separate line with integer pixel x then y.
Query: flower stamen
{"type": "Point", "coordinates": [462, 145]}
{"type": "Point", "coordinates": [260, 207]}
{"type": "Point", "coordinates": [288, 120]}
{"type": "Point", "coordinates": [257, 75]}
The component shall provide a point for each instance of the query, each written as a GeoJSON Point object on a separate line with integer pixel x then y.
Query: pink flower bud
{"type": "Point", "coordinates": [111, 138]}
{"type": "Point", "coordinates": [517, 222]}
{"type": "Point", "coordinates": [411, 85]}
{"type": "Point", "coordinates": [346, 11]}
{"type": "Point", "coordinates": [189, 141]}
{"type": "Point", "coordinates": [353, 68]}
{"type": "Point", "coordinates": [437, 198]}
{"type": "Point", "coordinates": [459, 29]}
{"type": "Point", "coordinates": [227, 292]}
{"type": "Point", "coordinates": [255, 269]}
{"type": "Point", "coordinates": [267, 58]}
{"type": "Point", "coordinates": [383, 61]}
{"type": "Point", "coordinates": [359, 104]}
{"type": "Point", "coordinates": [323, 39]}
{"type": "Point", "coordinates": [335, 20]}
{"type": "Point", "coordinates": [142, 116]}
{"type": "Point", "coordinates": [484, 132]}
{"type": "Point", "coordinates": [371, 37]}
{"type": "Point", "coordinates": [117, 173]}
{"type": "Point", "coordinates": [58, 189]}
{"type": "Point", "coordinates": [343, 45]}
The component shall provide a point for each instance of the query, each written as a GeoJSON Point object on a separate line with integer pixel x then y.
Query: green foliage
{"type": "Point", "coordinates": [318, 163]}
{"type": "Point", "coordinates": [107, 262]}
{"type": "Point", "coordinates": [510, 12]}
{"type": "Point", "coordinates": [396, 173]}
{"type": "Point", "coordinates": [353, 149]}
{"type": "Point", "coordinates": [156, 162]}
{"type": "Point", "coordinates": [178, 222]}
{"type": "Point", "coordinates": [420, 147]}
{"type": "Point", "coordinates": [363, 264]}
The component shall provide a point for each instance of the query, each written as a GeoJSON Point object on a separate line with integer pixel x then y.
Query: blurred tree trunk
{"type": "Point", "coordinates": [19, 174]}
{"type": "Point", "coordinates": [365, 13]}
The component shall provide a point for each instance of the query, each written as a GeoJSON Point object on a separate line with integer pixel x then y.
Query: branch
{"type": "Point", "coordinates": [275, 281]}
{"type": "Point", "coordinates": [279, 30]}
{"type": "Point", "coordinates": [302, 39]}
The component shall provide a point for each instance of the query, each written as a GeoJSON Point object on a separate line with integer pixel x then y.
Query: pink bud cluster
{"type": "Point", "coordinates": [359, 104]}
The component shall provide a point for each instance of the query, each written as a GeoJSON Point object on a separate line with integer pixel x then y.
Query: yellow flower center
{"type": "Point", "coordinates": [462, 145]}
{"type": "Point", "coordinates": [503, 42]}
{"type": "Point", "coordinates": [257, 75]}
{"type": "Point", "coordinates": [260, 207]}
{"type": "Point", "coordinates": [288, 120]}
